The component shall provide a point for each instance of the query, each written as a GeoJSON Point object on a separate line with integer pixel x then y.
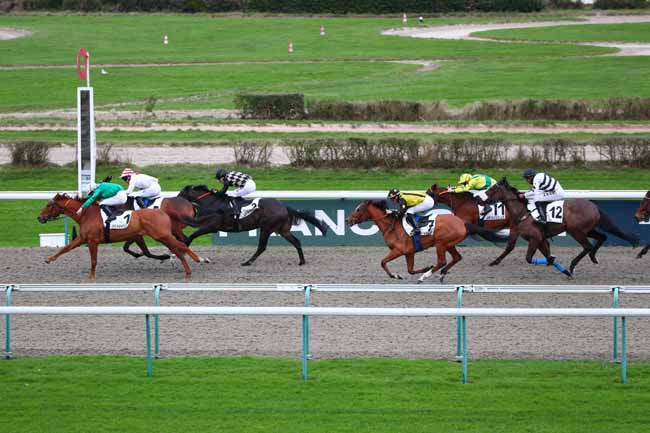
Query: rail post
{"type": "Point", "coordinates": [623, 351]}
{"type": "Point", "coordinates": [8, 354]}
{"type": "Point", "coordinates": [156, 338]}
{"type": "Point", "coordinates": [459, 304]}
{"type": "Point", "coordinates": [65, 230]}
{"type": "Point", "coordinates": [305, 333]}
{"type": "Point", "coordinates": [615, 292]}
{"type": "Point", "coordinates": [464, 326]}
{"type": "Point", "coordinates": [149, 363]}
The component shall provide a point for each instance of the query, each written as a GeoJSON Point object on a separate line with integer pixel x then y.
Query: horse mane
{"type": "Point", "coordinates": [203, 188]}
{"type": "Point", "coordinates": [509, 187]}
{"type": "Point", "coordinates": [381, 204]}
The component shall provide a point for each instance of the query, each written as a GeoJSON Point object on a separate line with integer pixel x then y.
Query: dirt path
{"type": "Point", "coordinates": [465, 31]}
{"type": "Point", "coordinates": [331, 336]}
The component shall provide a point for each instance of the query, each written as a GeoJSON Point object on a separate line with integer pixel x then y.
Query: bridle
{"type": "Point", "coordinates": [523, 215]}
{"type": "Point", "coordinates": [63, 207]}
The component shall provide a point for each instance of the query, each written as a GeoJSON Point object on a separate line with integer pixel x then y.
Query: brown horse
{"type": "Point", "coordinates": [449, 232]}
{"type": "Point", "coordinates": [146, 222]}
{"type": "Point", "coordinates": [465, 206]}
{"type": "Point", "coordinates": [581, 220]}
{"type": "Point", "coordinates": [643, 214]}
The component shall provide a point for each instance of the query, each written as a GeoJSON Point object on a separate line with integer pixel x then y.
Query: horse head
{"type": "Point", "coordinates": [364, 212]}
{"type": "Point", "coordinates": [643, 212]}
{"type": "Point", "coordinates": [502, 191]}
{"type": "Point", "coordinates": [53, 209]}
{"type": "Point", "coordinates": [438, 192]}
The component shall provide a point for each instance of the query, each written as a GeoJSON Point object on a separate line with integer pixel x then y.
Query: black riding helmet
{"type": "Point", "coordinates": [529, 172]}
{"type": "Point", "coordinates": [394, 192]}
{"type": "Point", "coordinates": [220, 173]}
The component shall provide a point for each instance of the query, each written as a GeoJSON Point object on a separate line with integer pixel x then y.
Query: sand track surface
{"type": "Point", "coordinates": [554, 338]}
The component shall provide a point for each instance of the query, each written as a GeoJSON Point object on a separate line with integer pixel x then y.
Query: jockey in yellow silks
{"type": "Point", "coordinates": [475, 182]}
{"type": "Point", "coordinates": [411, 203]}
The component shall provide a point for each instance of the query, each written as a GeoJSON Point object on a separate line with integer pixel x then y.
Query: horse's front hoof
{"type": "Point", "coordinates": [302, 263]}
{"type": "Point", "coordinates": [246, 263]}
{"type": "Point", "coordinates": [638, 256]}
{"type": "Point", "coordinates": [442, 278]}
{"type": "Point", "coordinates": [494, 263]}
{"type": "Point", "coordinates": [568, 274]}
{"type": "Point", "coordinates": [207, 260]}
{"type": "Point", "coordinates": [48, 261]}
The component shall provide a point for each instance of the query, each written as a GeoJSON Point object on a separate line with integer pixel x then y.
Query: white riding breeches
{"type": "Point", "coordinates": [248, 188]}
{"type": "Point", "coordinates": [424, 206]}
{"type": "Point", "coordinates": [152, 191]}
{"type": "Point", "coordinates": [119, 198]}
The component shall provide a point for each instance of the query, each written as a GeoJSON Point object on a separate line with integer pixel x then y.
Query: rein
{"type": "Point", "coordinates": [204, 195]}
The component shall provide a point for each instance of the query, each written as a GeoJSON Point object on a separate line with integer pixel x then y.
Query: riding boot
{"type": "Point", "coordinates": [410, 218]}
{"type": "Point", "coordinates": [140, 202]}
{"type": "Point", "coordinates": [541, 208]}
{"type": "Point", "coordinates": [235, 212]}
{"type": "Point", "coordinates": [109, 211]}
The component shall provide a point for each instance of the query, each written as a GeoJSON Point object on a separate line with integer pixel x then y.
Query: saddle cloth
{"type": "Point", "coordinates": [497, 212]}
{"type": "Point", "coordinates": [120, 222]}
{"type": "Point", "coordinates": [154, 203]}
{"type": "Point", "coordinates": [426, 221]}
{"type": "Point", "coordinates": [249, 208]}
{"type": "Point", "coordinates": [554, 211]}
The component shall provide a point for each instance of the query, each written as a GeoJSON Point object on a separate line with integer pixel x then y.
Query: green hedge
{"type": "Point", "coordinates": [274, 106]}
{"type": "Point", "coordinates": [621, 4]}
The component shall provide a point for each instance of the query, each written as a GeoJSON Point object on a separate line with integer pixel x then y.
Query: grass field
{"type": "Point", "coordinates": [633, 32]}
{"type": "Point", "coordinates": [18, 225]}
{"type": "Point", "coordinates": [342, 65]}
{"type": "Point", "coordinates": [108, 394]}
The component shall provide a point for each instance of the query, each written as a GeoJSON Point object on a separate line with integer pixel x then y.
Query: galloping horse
{"type": "Point", "coordinates": [145, 222]}
{"type": "Point", "coordinates": [271, 216]}
{"type": "Point", "coordinates": [581, 219]}
{"type": "Point", "coordinates": [643, 214]}
{"type": "Point", "coordinates": [465, 206]}
{"type": "Point", "coordinates": [449, 231]}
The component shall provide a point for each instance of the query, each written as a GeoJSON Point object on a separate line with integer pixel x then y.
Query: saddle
{"type": "Point", "coordinates": [114, 219]}
{"type": "Point", "coordinates": [426, 222]}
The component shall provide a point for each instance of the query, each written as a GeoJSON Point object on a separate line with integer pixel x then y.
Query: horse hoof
{"type": "Point", "coordinates": [302, 263]}
{"type": "Point", "coordinates": [442, 278]}
{"type": "Point", "coordinates": [494, 263]}
{"type": "Point", "coordinates": [48, 260]}
{"type": "Point", "coordinates": [206, 260]}
{"type": "Point", "coordinates": [246, 264]}
{"type": "Point", "coordinates": [638, 256]}
{"type": "Point", "coordinates": [593, 260]}
{"type": "Point", "coordinates": [419, 281]}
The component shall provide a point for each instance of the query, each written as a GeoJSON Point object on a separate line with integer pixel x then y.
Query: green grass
{"type": "Point", "coordinates": [458, 83]}
{"type": "Point", "coordinates": [18, 225]}
{"type": "Point", "coordinates": [136, 38]}
{"type": "Point", "coordinates": [633, 32]}
{"type": "Point", "coordinates": [113, 394]}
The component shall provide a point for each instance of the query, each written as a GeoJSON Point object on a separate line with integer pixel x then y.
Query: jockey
{"type": "Point", "coordinates": [148, 186]}
{"type": "Point", "coordinates": [110, 194]}
{"type": "Point", "coordinates": [244, 183]}
{"type": "Point", "coordinates": [545, 190]}
{"type": "Point", "coordinates": [411, 203]}
{"type": "Point", "coordinates": [477, 182]}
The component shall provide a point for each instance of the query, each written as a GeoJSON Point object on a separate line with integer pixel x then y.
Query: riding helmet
{"type": "Point", "coordinates": [127, 172]}
{"type": "Point", "coordinates": [393, 193]}
{"type": "Point", "coordinates": [220, 173]}
{"type": "Point", "coordinates": [464, 178]}
{"type": "Point", "coordinates": [529, 172]}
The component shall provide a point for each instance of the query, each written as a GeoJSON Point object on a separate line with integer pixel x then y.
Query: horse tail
{"type": "Point", "coordinates": [607, 224]}
{"type": "Point", "coordinates": [309, 216]}
{"type": "Point", "coordinates": [487, 234]}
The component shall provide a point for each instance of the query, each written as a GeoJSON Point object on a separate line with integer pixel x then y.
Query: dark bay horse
{"type": "Point", "coordinates": [465, 206]}
{"type": "Point", "coordinates": [145, 222]}
{"type": "Point", "coordinates": [271, 216]}
{"type": "Point", "coordinates": [582, 220]}
{"type": "Point", "coordinates": [449, 232]}
{"type": "Point", "coordinates": [643, 214]}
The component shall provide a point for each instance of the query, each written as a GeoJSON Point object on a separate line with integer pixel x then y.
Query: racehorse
{"type": "Point", "coordinates": [581, 220]}
{"type": "Point", "coordinates": [449, 231]}
{"type": "Point", "coordinates": [465, 206]}
{"type": "Point", "coordinates": [271, 216]}
{"type": "Point", "coordinates": [176, 207]}
{"type": "Point", "coordinates": [643, 214]}
{"type": "Point", "coordinates": [145, 222]}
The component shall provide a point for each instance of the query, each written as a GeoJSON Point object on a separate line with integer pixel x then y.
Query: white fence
{"type": "Point", "coordinates": [460, 313]}
{"type": "Point", "coordinates": [356, 195]}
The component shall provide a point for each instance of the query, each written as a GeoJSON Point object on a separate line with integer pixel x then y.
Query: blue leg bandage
{"type": "Point", "coordinates": [559, 267]}
{"type": "Point", "coordinates": [540, 261]}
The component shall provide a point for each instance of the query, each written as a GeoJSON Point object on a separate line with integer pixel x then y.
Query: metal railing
{"type": "Point", "coordinates": [307, 289]}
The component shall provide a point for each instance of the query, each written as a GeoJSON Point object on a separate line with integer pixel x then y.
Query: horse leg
{"type": "Point", "coordinates": [261, 247]}
{"type": "Point", "coordinates": [410, 262]}
{"type": "Point", "coordinates": [600, 240]}
{"type": "Point", "coordinates": [92, 248]}
{"type": "Point", "coordinates": [177, 231]}
{"type": "Point", "coordinates": [179, 249]}
{"type": "Point", "coordinates": [143, 246]}
{"type": "Point", "coordinates": [200, 232]}
{"type": "Point", "coordinates": [550, 260]}
{"type": "Point", "coordinates": [643, 251]}
{"type": "Point", "coordinates": [72, 245]}
{"type": "Point", "coordinates": [456, 257]}
{"type": "Point", "coordinates": [441, 250]}
{"type": "Point", "coordinates": [586, 245]}
{"type": "Point", "coordinates": [130, 252]}
{"type": "Point", "coordinates": [392, 255]}
{"type": "Point", "coordinates": [296, 243]}
{"type": "Point", "coordinates": [512, 242]}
